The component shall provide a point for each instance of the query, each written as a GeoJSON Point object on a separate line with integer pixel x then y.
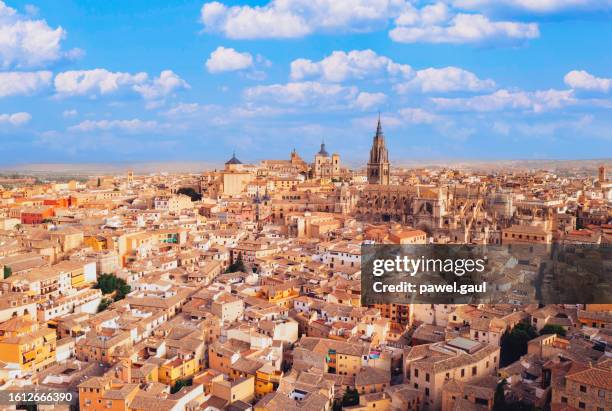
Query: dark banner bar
{"type": "Point", "coordinates": [510, 274]}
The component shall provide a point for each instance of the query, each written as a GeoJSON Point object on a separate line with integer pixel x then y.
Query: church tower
{"type": "Point", "coordinates": [378, 166]}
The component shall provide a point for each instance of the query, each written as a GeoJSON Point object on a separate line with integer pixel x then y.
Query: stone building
{"type": "Point", "coordinates": [326, 166]}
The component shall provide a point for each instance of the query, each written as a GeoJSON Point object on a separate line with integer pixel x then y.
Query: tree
{"type": "Point", "coordinates": [180, 384]}
{"type": "Point", "coordinates": [104, 303]}
{"type": "Point", "coordinates": [189, 191]}
{"type": "Point", "coordinates": [351, 397]}
{"type": "Point", "coordinates": [8, 271]}
{"type": "Point", "coordinates": [110, 283]}
{"type": "Point", "coordinates": [514, 343]}
{"type": "Point", "coordinates": [553, 329]}
{"type": "Point", "coordinates": [499, 400]}
{"type": "Point", "coordinates": [237, 265]}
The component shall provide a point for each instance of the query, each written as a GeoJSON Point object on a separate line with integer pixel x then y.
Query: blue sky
{"type": "Point", "coordinates": [110, 81]}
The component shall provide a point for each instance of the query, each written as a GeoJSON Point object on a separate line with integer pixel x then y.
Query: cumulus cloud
{"type": "Point", "coordinates": [303, 94]}
{"type": "Point", "coordinates": [95, 82]}
{"type": "Point", "coordinates": [443, 80]}
{"type": "Point", "coordinates": [296, 18]}
{"type": "Point", "coordinates": [583, 80]}
{"type": "Point", "coordinates": [70, 113]}
{"type": "Point", "coordinates": [436, 23]}
{"type": "Point", "coordinates": [165, 84]}
{"type": "Point", "coordinates": [27, 43]}
{"type": "Point", "coordinates": [15, 83]}
{"type": "Point", "coordinates": [100, 82]}
{"type": "Point", "coordinates": [501, 100]}
{"type": "Point", "coordinates": [129, 126]}
{"type": "Point", "coordinates": [356, 64]}
{"type": "Point", "coordinates": [228, 59]}
{"type": "Point", "coordinates": [433, 23]}
{"type": "Point", "coordinates": [15, 119]}
{"type": "Point", "coordinates": [365, 100]}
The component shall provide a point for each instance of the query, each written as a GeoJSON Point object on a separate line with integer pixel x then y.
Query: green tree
{"type": "Point", "coordinates": [237, 265]}
{"type": "Point", "coordinates": [552, 329]}
{"type": "Point", "coordinates": [189, 191]}
{"type": "Point", "coordinates": [514, 343]}
{"type": "Point", "coordinates": [351, 397]}
{"type": "Point", "coordinates": [104, 303]}
{"type": "Point", "coordinates": [8, 271]}
{"type": "Point", "coordinates": [499, 400]}
{"type": "Point", "coordinates": [111, 284]}
{"type": "Point", "coordinates": [180, 384]}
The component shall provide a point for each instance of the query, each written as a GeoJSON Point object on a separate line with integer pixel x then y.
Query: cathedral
{"type": "Point", "coordinates": [447, 213]}
{"type": "Point", "coordinates": [419, 206]}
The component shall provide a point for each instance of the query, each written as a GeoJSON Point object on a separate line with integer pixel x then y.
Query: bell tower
{"type": "Point", "coordinates": [378, 166]}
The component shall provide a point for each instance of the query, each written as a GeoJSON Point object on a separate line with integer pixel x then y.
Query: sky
{"type": "Point", "coordinates": [136, 81]}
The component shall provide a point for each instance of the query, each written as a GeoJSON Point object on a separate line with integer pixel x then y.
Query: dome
{"type": "Point", "coordinates": [323, 152]}
{"type": "Point", "coordinates": [233, 160]}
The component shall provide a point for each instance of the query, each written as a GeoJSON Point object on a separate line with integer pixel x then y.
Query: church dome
{"type": "Point", "coordinates": [233, 160]}
{"type": "Point", "coordinates": [323, 152]}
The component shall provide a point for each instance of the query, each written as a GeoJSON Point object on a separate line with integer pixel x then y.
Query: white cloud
{"type": "Point", "coordinates": [95, 82]}
{"type": "Point", "coordinates": [303, 93]}
{"type": "Point", "coordinates": [190, 109]}
{"type": "Point", "coordinates": [447, 79]}
{"type": "Point", "coordinates": [296, 18]}
{"type": "Point", "coordinates": [100, 82]}
{"type": "Point", "coordinates": [167, 83]}
{"type": "Point", "coordinates": [70, 113]}
{"type": "Point", "coordinates": [15, 119]}
{"type": "Point", "coordinates": [440, 26]}
{"type": "Point", "coordinates": [418, 116]}
{"type": "Point", "coordinates": [228, 59]}
{"type": "Point", "coordinates": [534, 6]}
{"type": "Point", "coordinates": [536, 101]}
{"type": "Point", "coordinates": [14, 83]}
{"type": "Point", "coordinates": [582, 80]}
{"type": "Point", "coordinates": [366, 100]}
{"type": "Point", "coordinates": [129, 126]}
{"type": "Point", "coordinates": [356, 64]}
{"type": "Point", "coordinates": [26, 43]}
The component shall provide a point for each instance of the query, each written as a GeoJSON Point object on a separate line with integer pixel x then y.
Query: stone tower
{"type": "Point", "coordinates": [378, 166]}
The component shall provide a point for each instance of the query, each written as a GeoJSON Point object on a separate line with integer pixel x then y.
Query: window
{"type": "Point", "coordinates": [463, 372]}
{"type": "Point", "coordinates": [416, 372]}
{"type": "Point", "coordinates": [602, 394]}
{"type": "Point", "coordinates": [581, 405]}
{"type": "Point", "coordinates": [427, 392]}
{"type": "Point", "coordinates": [474, 371]}
{"type": "Point", "coordinates": [427, 377]}
{"type": "Point", "coordinates": [564, 400]}
{"type": "Point", "coordinates": [583, 388]}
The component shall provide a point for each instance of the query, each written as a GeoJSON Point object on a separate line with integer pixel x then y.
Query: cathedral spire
{"type": "Point", "coordinates": [379, 132]}
{"type": "Point", "coordinates": [378, 166]}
